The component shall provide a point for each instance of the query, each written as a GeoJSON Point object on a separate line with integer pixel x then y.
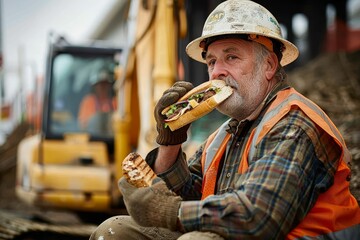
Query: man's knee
{"type": "Point", "coordinates": [112, 228]}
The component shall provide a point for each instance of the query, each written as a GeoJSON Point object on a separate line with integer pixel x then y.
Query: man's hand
{"type": "Point", "coordinates": [170, 96]}
{"type": "Point", "coordinates": [154, 206]}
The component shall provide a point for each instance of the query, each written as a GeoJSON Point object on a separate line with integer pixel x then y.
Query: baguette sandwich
{"type": "Point", "coordinates": [136, 171]}
{"type": "Point", "coordinates": [196, 103]}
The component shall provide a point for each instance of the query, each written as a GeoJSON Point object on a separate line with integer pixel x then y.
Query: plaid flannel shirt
{"type": "Point", "coordinates": [292, 165]}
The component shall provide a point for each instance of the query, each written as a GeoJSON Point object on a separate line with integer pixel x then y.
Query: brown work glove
{"type": "Point", "coordinates": [170, 96]}
{"type": "Point", "coordinates": [154, 206]}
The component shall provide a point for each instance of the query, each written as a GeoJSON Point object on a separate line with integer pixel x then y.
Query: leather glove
{"type": "Point", "coordinates": [154, 206]}
{"type": "Point", "coordinates": [170, 96]}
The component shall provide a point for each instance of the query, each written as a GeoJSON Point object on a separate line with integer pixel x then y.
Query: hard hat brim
{"type": "Point", "coordinates": [290, 52]}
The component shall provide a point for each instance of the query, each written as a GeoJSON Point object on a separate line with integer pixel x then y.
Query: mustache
{"type": "Point", "coordinates": [230, 82]}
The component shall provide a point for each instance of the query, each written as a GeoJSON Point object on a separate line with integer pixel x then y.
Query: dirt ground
{"type": "Point", "coordinates": [332, 81]}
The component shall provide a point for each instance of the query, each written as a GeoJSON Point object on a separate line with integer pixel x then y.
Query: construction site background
{"type": "Point", "coordinates": [332, 80]}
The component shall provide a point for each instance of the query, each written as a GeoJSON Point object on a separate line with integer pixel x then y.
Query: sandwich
{"type": "Point", "coordinates": [136, 171]}
{"type": "Point", "coordinates": [196, 103]}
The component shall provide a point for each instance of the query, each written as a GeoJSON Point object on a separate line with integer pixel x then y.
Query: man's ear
{"type": "Point", "coordinates": [272, 64]}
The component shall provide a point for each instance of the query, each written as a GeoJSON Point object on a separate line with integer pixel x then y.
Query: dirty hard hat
{"type": "Point", "coordinates": [248, 20]}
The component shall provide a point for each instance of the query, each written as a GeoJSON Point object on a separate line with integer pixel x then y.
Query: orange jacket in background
{"type": "Point", "coordinates": [91, 105]}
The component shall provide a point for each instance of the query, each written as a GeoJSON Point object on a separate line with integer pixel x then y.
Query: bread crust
{"type": "Point", "coordinates": [136, 171]}
{"type": "Point", "coordinates": [204, 107]}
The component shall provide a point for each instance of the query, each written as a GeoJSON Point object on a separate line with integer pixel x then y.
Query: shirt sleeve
{"type": "Point", "coordinates": [282, 183]}
{"type": "Point", "coordinates": [185, 176]}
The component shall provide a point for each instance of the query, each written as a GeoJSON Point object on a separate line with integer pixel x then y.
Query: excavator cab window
{"type": "Point", "coordinates": [81, 96]}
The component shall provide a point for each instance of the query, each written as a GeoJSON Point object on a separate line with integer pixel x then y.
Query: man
{"type": "Point", "coordinates": [100, 100]}
{"type": "Point", "coordinates": [277, 169]}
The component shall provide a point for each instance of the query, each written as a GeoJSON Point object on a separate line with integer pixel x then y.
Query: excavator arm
{"type": "Point", "coordinates": [151, 67]}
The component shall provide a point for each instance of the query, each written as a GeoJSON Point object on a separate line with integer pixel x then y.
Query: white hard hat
{"type": "Point", "coordinates": [246, 18]}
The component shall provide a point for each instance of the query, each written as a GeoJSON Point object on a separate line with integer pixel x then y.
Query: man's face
{"type": "Point", "coordinates": [235, 62]}
{"type": "Point", "coordinates": [102, 88]}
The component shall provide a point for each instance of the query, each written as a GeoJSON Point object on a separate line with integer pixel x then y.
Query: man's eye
{"type": "Point", "coordinates": [211, 62]}
{"type": "Point", "coordinates": [231, 57]}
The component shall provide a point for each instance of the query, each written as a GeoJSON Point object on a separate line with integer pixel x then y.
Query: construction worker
{"type": "Point", "coordinates": [277, 169]}
{"type": "Point", "coordinates": [100, 100]}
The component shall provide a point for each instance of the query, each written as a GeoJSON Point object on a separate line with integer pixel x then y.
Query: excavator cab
{"type": "Point", "coordinates": [70, 163]}
{"type": "Point", "coordinates": [80, 95]}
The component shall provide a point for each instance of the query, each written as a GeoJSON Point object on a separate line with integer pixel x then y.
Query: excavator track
{"type": "Point", "coordinates": [15, 226]}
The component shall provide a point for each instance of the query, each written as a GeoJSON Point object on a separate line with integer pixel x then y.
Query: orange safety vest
{"type": "Point", "coordinates": [335, 209]}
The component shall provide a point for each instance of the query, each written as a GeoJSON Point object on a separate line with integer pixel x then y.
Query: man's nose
{"type": "Point", "coordinates": [219, 71]}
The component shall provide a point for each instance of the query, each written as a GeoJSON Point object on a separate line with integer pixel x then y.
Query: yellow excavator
{"type": "Point", "coordinates": [71, 166]}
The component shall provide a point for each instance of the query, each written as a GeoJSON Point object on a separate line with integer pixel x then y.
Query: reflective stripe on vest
{"type": "Point", "coordinates": [215, 147]}
{"type": "Point", "coordinates": [281, 106]}
{"type": "Point", "coordinates": [334, 209]}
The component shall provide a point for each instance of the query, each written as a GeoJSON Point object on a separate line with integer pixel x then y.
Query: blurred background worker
{"type": "Point", "coordinates": [97, 106]}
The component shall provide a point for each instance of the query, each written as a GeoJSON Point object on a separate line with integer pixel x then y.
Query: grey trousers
{"type": "Point", "coordinates": [123, 227]}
